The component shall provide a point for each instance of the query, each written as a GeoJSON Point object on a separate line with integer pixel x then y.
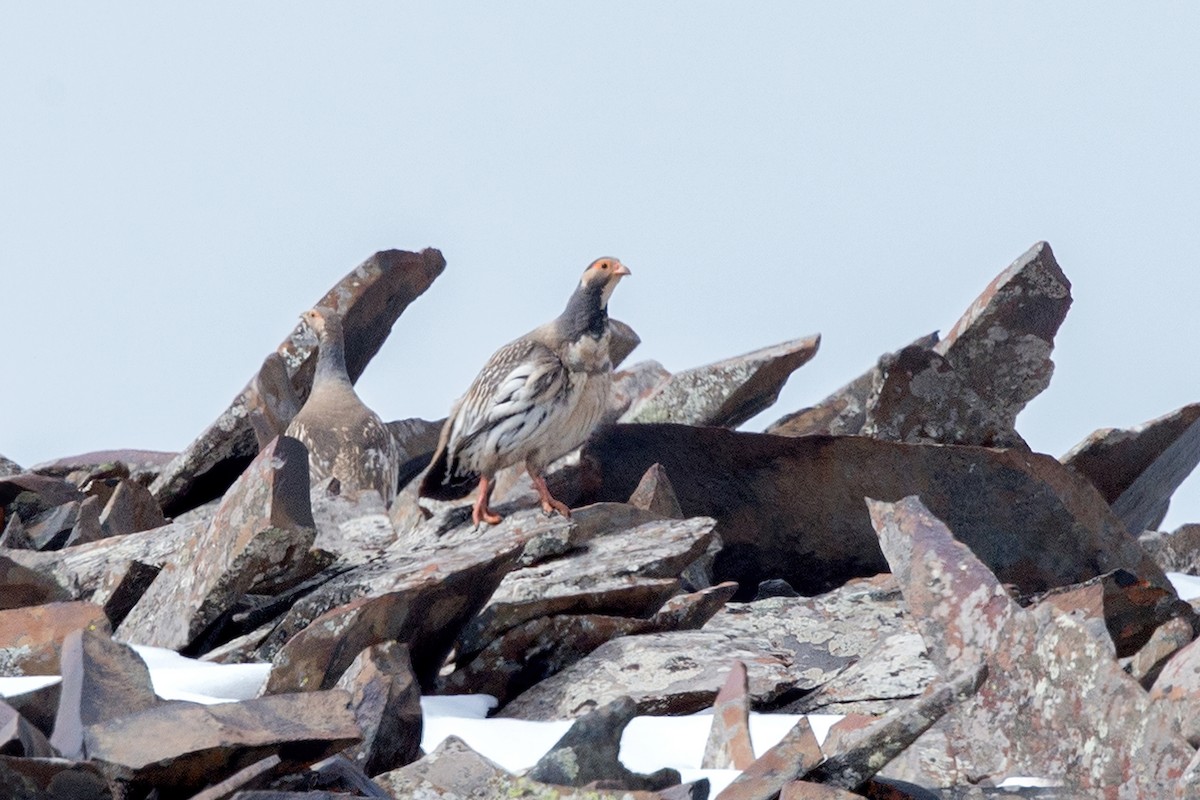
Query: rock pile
{"type": "Point", "coordinates": [895, 554]}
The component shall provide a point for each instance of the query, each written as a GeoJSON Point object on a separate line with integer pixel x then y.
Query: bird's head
{"type": "Point", "coordinates": [314, 318]}
{"type": "Point", "coordinates": [604, 273]}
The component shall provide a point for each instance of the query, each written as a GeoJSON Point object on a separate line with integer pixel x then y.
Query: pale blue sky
{"type": "Point", "coordinates": [178, 183]}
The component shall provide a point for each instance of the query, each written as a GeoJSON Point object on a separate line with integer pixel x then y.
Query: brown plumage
{"type": "Point", "coordinates": [537, 399]}
{"type": "Point", "coordinates": [345, 439]}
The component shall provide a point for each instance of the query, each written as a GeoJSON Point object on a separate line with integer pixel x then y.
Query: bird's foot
{"type": "Point", "coordinates": [484, 514]}
{"type": "Point", "coordinates": [550, 505]}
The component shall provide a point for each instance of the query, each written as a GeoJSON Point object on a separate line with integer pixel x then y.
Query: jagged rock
{"type": "Point", "coordinates": [88, 526]}
{"type": "Point", "coordinates": [655, 494]}
{"type": "Point", "coordinates": [419, 593]}
{"type": "Point", "coordinates": [632, 386]}
{"type": "Point", "coordinates": [1035, 658]}
{"type": "Point", "coordinates": [9, 467]}
{"type": "Point", "coordinates": [455, 772]}
{"type": "Point", "coordinates": [729, 745]}
{"type": "Point", "coordinates": [851, 760]}
{"type": "Point", "coordinates": [19, 738]}
{"type": "Point", "coordinates": [792, 508]}
{"type": "Point", "coordinates": [728, 392]}
{"type": "Point", "coordinates": [38, 706]}
{"type": "Point", "coordinates": [1176, 692]}
{"type": "Point", "coordinates": [140, 465]}
{"type": "Point", "coordinates": [101, 680]}
{"type": "Point", "coordinates": [31, 638]}
{"type": "Point", "coordinates": [628, 573]}
{"type": "Point", "coordinates": [33, 494]}
{"type": "Point", "coordinates": [842, 413]}
{"type": "Point", "coordinates": [1130, 609]}
{"type": "Point", "coordinates": [536, 649]}
{"type": "Point", "coordinates": [623, 341]}
{"type": "Point", "coordinates": [53, 779]}
{"type": "Point", "coordinates": [666, 673]}
{"type": "Point", "coordinates": [184, 746]}
{"type": "Point", "coordinates": [1138, 469]}
{"type": "Point", "coordinates": [589, 753]}
{"type": "Point", "coordinates": [830, 635]}
{"type": "Point", "coordinates": [387, 706]}
{"type": "Point", "coordinates": [370, 299]}
{"type": "Point", "coordinates": [1178, 551]}
{"type": "Point", "coordinates": [23, 586]}
{"type": "Point", "coordinates": [259, 541]}
{"type": "Point", "coordinates": [1170, 637]}
{"type": "Point", "coordinates": [13, 536]}
{"type": "Point", "coordinates": [51, 529]}
{"type": "Point", "coordinates": [130, 509]}
{"type": "Point", "coordinates": [355, 529]}
{"type": "Point", "coordinates": [271, 400]}
{"type": "Point", "coordinates": [795, 754]}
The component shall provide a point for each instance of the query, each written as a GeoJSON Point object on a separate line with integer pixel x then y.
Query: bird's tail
{"type": "Point", "coordinates": [445, 482]}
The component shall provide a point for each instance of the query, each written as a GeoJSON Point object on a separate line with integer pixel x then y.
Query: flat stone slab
{"type": "Point", "coordinates": [31, 638]}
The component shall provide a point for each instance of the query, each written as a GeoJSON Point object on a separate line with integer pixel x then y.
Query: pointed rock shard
{"type": "Point", "coordinates": [9, 467]}
{"type": "Point", "coordinates": [858, 756]}
{"type": "Point", "coordinates": [271, 401]}
{"type": "Point", "coordinates": [589, 752]}
{"type": "Point", "coordinates": [387, 706]}
{"type": "Point", "coordinates": [371, 298]}
{"type": "Point", "coordinates": [31, 638]}
{"type": "Point", "coordinates": [19, 738]}
{"type": "Point", "coordinates": [259, 540]}
{"type": "Point", "coordinates": [130, 509]}
{"type": "Point", "coordinates": [728, 392]}
{"type": "Point", "coordinates": [102, 679]}
{"type": "Point", "coordinates": [1035, 658]}
{"type": "Point", "coordinates": [1170, 637]}
{"type": "Point", "coordinates": [182, 747]}
{"type": "Point", "coordinates": [729, 745]}
{"type": "Point", "coordinates": [792, 508]}
{"type": "Point", "coordinates": [1138, 469]}
{"type": "Point", "coordinates": [796, 754]}
{"type": "Point", "coordinates": [655, 494]}
{"type": "Point", "coordinates": [624, 340]}
{"type": "Point", "coordinates": [843, 412]}
{"type": "Point", "coordinates": [22, 586]}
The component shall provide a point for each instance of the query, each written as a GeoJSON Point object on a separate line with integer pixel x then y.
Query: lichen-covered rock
{"type": "Point", "coordinates": [31, 638]}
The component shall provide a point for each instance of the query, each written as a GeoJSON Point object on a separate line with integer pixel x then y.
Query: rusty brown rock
{"type": "Point", "coordinates": [370, 299]}
{"type": "Point", "coordinates": [589, 753]}
{"type": "Point", "coordinates": [421, 594]}
{"type": "Point", "coordinates": [841, 413]}
{"type": "Point", "coordinates": [795, 754]}
{"type": "Point", "coordinates": [1168, 639]}
{"type": "Point", "coordinates": [387, 706]}
{"type": "Point", "coordinates": [532, 651]}
{"type": "Point", "coordinates": [729, 745]}
{"type": "Point", "coordinates": [792, 508]}
{"type": "Point", "coordinates": [666, 673]}
{"type": "Point", "coordinates": [728, 392]}
{"type": "Point", "coordinates": [1178, 551]}
{"type": "Point", "coordinates": [23, 586]}
{"type": "Point", "coordinates": [655, 494]}
{"type": "Point", "coordinates": [184, 746]}
{"type": "Point", "coordinates": [130, 509]}
{"type": "Point", "coordinates": [1138, 469]}
{"type": "Point", "coordinates": [259, 541]}
{"type": "Point", "coordinates": [31, 638]}
{"type": "Point", "coordinates": [1129, 608]}
{"type": "Point", "coordinates": [20, 738]}
{"type": "Point", "coordinates": [1037, 657]}
{"type": "Point", "coordinates": [102, 679]}
{"type": "Point", "coordinates": [628, 573]}
{"type": "Point", "coordinates": [53, 779]}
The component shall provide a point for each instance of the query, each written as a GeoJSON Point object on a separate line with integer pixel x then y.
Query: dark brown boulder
{"type": "Point", "coordinates": [792, 508]}
{"type": "Point", "coordinates": [23, 586]}
{"type": "Point", "coordinates": [386, 701]}
{"type": "Point", "coordinates": [54, 779]}
{"type": "Point", "coordinates": [370, 299]}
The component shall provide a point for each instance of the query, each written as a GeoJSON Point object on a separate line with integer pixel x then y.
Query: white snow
{"type": "Point", "coordinates": [1186, 586]}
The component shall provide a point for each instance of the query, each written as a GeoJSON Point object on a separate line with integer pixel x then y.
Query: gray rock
{"type": "Point", "coordinates": [1178, 551]}
{"type": "Point", "coordinates": [728, 392]}
{"type": "Point", "coordinates": [387, 706]}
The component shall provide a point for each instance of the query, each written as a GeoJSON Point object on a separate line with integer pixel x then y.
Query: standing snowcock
{"type": "Point", "coordinates": [535, 400]}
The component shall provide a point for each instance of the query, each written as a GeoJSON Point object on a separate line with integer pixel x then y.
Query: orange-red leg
{"type": "Point", "coordinates": [481, 512]}
{"type": "Point", "coordinates": [549, 504]}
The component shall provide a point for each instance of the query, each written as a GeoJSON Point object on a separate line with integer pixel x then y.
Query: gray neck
{"type": "Point", "coordinates": [331, 357]}
{"type": "Point", "coordinates": [586, 313]}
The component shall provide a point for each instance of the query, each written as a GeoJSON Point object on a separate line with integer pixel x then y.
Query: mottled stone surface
{"type": "Point", "coordinates": [101, 680]}
{"type": "Point", "coordinates": [1177, 551]}
{"type": "Point", "coordinates": [1168, 639]}
{"type": "Point", "coordinates": [1033, 657]}
{"type": "Point", "coordinates": [387, 707]}
{"type": "Point", "coordinates": [184, 746]}
{"type": "Point", "coordinates": [631, 386]}
{"type": "Point", "coordinates": [1138, 469]}
{"type": "Point", "coordinates": [655, 494]}
{"type": "Point", "coordinates": [271, 400]}
{"type": "Point", "coordinates": [841, 413]}
{"type": "Point", "coordinates": [258, 541]}
{"type": "Point", "coordinates": [589, 753]}
{"type": "Point", "coordinates": [31, 638]}
{"type": "Point", "coordinates": [795, 754]}
{"type": "Point", "coordinates": [370, 299]}
{"type": "Point", "coordinates": [534, 650]}
{"type": "Point", "coordinates": [728, 392]}
{"type": "Point", "coordinates": [792, 508]}
{"type": "Point", "coordinates": [53, 779]}
{"type": "Point", "coordinates": [623, 573]}
{"type": "Point", "coordinates": [666, 673]}
{"type": "Point", "coordinates": [729, 745]}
